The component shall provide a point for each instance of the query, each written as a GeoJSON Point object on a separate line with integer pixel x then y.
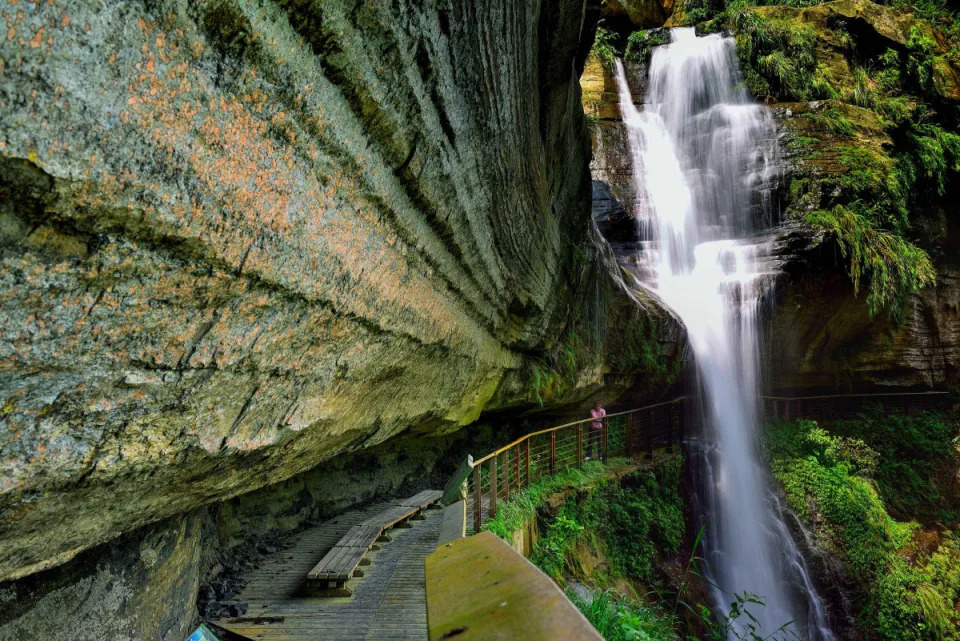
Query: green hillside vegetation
{"type": "Point", "coordinates": [877, 493]}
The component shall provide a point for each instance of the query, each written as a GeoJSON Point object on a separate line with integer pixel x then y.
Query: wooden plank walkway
{"type": "Point", "coordinates": [388, 602]}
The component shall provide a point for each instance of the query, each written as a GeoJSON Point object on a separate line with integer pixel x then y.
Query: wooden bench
{"type": "Point", "coordinates": [423, 499]}
{"type": "Point", "coordinates": [343, 561]}
{"type": "Point", "coordinates": [392, 517]}
{"type": "Point", "coordinates": [360, 536]}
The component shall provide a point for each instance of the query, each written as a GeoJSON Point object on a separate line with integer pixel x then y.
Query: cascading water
{"type": "Point", "coordinates": [705, 163]}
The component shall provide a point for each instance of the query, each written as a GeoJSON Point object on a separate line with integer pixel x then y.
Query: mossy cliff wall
{"type": "Point", "coordinates": [867, 110]}
{"type": "Point", "coordinates": [240, 238]}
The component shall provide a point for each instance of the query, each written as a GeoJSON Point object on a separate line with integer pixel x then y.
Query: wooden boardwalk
{"type": "Point", "coordinates": [388, 602]}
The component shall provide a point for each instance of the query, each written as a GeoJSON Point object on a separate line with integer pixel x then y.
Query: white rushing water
{"type": "Point", "coordinates": [705, 162]}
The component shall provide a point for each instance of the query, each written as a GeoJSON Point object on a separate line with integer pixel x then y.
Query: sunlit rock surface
{"type": "Point", "coordinates": [239, 238]}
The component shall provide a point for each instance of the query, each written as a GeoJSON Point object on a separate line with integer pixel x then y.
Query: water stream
{"type": "Point", "coordinates": [705, 162]}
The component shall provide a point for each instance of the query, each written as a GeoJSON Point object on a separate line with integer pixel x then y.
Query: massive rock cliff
{"type": "Point", "coordinates": [241, 237]}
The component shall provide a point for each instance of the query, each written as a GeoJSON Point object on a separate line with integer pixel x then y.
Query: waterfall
{"type": "Point", "coordinates": [705, 163]}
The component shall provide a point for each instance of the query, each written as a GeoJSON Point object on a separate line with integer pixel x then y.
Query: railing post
{"type": "Point", "coordinates": [651, 424]}
{"type": "Point", "coordinates": [798, 409]}
{"type": "Point", "coordinates": [786, 407]}
{"type": "Point", "coordinates": [494, 486]}
{"type": "Point", "coordinates": [505, 464]}
{"type": "Point", "coordinates": [629, 435]}
{"type": "Point", "coordinates": [579, 444]}
{"type": "Point", "coordinates": [477, 498]}
{"type": "Point", "coordinates": [526, 462]}
{"type": "Point", "coordinates": [604, 439]}
{"type": "Point", "coordinates": [553, 451]}
{"type": "Point", "coordinates": [516, 467]}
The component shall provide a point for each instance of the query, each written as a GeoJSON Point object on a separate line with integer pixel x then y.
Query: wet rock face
{"type": "Point", "coordinates": [137, 588]}
{"type": "Point", "coordinates": [615, 205]}
{"type": "Point", "coordinates": [823, 340]}
{"type": "Point", "coordinates": [241, 238]}
{"type": "Point", "coordinates": [822, 337]}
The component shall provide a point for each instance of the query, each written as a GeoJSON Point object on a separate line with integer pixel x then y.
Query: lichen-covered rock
{"type": "Point", "coordinates": [240, 237]}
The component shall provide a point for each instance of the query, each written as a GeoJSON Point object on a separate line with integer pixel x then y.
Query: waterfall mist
{"type": "Point", "coordinates": [705, 163]}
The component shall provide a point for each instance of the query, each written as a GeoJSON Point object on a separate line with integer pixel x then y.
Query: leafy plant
{"type": "Point", "coordinates": [833, 120]}
{"type": "Point", "coordinates": [640, 44]}
{"type": "Point", "coordinates": [604, 46]}
{"type": "Point", "coordinates": [891, 267]}
{"type": "Point", "coordinates": [905, 591]}
{"type": "Point", "coordinates": [619, 619]}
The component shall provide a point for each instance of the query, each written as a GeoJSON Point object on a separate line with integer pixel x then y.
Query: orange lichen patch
{"type": "Point", "coordinates": [37, 39]}
{"type": "Point", "coordinates": [256, 185]}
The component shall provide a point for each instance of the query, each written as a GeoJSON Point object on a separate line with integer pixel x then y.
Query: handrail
{"type": "Point", "coordinates": [492, 478]}
{"type": "Point", "coordinates": [565, 425]}
{"type": "Point", "coordinates": [870, 394]}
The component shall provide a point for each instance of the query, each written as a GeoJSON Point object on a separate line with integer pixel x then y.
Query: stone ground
{"type": "Point", "coordinates": [388, 602]}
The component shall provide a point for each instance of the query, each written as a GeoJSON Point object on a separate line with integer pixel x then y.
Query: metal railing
{"type": "Point", "coordinates": [841, 406]}
{"type": "Point", "coordinates": [493, 478]}
{"type": "Point", "coordinates": [533, 456]}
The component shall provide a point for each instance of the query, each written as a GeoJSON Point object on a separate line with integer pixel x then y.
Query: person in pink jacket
{"type": "Point", "coordinates": [595, 434]}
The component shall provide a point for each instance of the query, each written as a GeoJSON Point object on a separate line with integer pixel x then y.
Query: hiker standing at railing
{"type": "Point", "coordinates": [595, 434]}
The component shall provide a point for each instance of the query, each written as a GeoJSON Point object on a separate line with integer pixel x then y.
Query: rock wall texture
{"type": "Point", "coordinates": [142, 587]}
{"type": "Point", "coordinates": [822, 335]}
{"type": "Point", "coordinates": [637, 14]}
{"type": "Point", "coordinates": [241, 237]}
{"type": "Point", "coordinates": [822, 338]}
{"type": "Point", "coordinates": [616, 207]}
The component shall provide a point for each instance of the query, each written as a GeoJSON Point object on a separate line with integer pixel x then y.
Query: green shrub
{"type": "Point", "coordinates": [604, 47]}
{"type": "Point", "coordinates": [833, 120]}
{"type": "Point", "coordinates": [620, 619]}
{"type": "Point", "coordinates": [777, 56]}
{"type": "Point", "coordinates": [523, 504]}
{"type": "Point", "coordinates": [826, 479]}
{"type": "Point", "coordinates": [936, 153]}
{"type": "Point", "coordinates": [640, 44]}
{"type": "Point", "coordinates": [912, 454]}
